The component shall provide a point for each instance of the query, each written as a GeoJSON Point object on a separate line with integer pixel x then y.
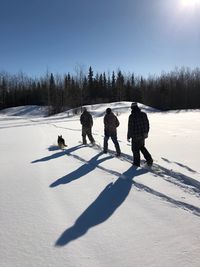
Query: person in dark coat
{"type": "Point", "coordinates": [87, 123]}
{"type": "Point", "coordinates": [138, 128]}
{"type": "Point", "coordinates": [111, 123]}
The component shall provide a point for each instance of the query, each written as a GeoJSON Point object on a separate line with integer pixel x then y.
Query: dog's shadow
{"type": "Point", "coordinates": [58, 154]}
{"type": "Point", "coordinates": [53, 148]}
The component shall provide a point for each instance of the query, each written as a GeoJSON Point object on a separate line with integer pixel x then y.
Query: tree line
{"type": "Point", "coordinates": [178, 89]}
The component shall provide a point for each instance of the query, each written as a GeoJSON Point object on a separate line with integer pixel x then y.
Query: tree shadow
{"type": "Point", "coordinates": [58, 154]}
{"type": "Point", "coordinates": [81, 171]}
{"type": "Point", "coordinates": [113, 195]}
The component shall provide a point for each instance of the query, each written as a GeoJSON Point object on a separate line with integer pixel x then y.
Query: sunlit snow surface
{"type": "Point", "coordinates": [79, 207]}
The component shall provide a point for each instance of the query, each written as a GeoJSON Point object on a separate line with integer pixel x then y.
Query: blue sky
{"type": "Point", "coordinates": [141, 36]}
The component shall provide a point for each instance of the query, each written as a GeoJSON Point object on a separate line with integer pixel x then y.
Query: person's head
{"type": "Point", "coordinates": [108, 110]}
{"type": "Point", "coordinates": [84, 109]}
{"type": "Point", "coordinates": [134, 107]}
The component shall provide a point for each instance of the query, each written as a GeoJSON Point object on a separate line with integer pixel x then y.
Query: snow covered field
{"type": "Point", "coordinates": [81, 208]}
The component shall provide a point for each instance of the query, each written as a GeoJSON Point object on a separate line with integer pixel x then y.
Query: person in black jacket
{"type": "Point", "coordinates": [111, 123]}
{"type": "Point", "coordinates": [87, 123]}
{"type": "Point", "coordinates": [138, 128]}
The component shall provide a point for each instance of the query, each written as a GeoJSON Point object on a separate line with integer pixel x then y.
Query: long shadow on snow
{"type": "Point", "coordinates": [102, 208]}
{"type": "Point", "coordinates": [83, 170]}
{"type": "Point", "coordinates": [183, 205]}
{"type": "Point", "coordinates": [58, 154]}
{"type": "Point", "coordinates": [179, 179]}
{"type": "Point", "coordinates": [109, 200]}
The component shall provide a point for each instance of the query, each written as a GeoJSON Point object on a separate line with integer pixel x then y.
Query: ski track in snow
{"type": "Point", "coordinates": [157, 225]}
{"type": "Point", "coordinates": [177, 178]}
{"type": "Point", "coordinates": [186, 183]}
{"type": "Point", "coordinates": [157, 170]}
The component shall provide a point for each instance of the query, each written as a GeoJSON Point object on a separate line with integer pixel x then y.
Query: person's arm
{"type": "Point", "coordinates": [146, 123]}
{"type": "Point", "coordinates": [129, 129]}
{"type": "Point", "coordinates": [81, 119]}
{"type": "Point", "coordinates": [117, 121]}
{"type": "Point", "coordinates": [105, 125]}
{"type": "Point", "coordinates": [105, 121]}
{"type": "Point", "coordinates": [91, 120]}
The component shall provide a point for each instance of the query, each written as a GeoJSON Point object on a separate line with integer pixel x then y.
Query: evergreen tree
{"type": "Point", "coordinates": [120, 86]}
{"type": "Point", "coordinates": [90, 84]}
{"type": "Point", "coordinates": [113, 88]}
{"type": "Point", "coordinates": [3, 93]}
{"type": "Point", "coordinates": [52, 95]}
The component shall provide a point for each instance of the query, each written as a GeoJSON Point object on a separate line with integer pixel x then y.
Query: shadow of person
{"type": "Point", "coordinates": [83, 170]}
{"type": "Point", "coordinates": [102, 208]}
{"type": "Point", "coordinates": [58, 154]}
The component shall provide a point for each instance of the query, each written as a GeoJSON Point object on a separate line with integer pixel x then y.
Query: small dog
{"type": "Point", "coordinates": [61, 142]}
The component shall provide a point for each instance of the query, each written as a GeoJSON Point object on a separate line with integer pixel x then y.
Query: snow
{"type": "Point", "coordinates": [79, 207]}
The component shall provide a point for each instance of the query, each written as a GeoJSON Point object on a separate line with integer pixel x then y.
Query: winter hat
{"type": "Point", "coordinates": [108, 110]}
{"type": "Point", "coordinates": [133, 105]}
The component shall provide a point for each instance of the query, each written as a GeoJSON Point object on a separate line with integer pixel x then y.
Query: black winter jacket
{"type": "Point", "coordinates": [111, 123]}
{"type": "Point", "coordinates": [138, 125]}
{"type": "Point", "coordinates": [86, 119]}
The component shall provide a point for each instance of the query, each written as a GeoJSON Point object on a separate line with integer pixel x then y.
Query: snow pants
{"type": "Point", "coordinates": [114, 139]}
{"type": "Point", "coordinates": [138, 145]}
{"type": "Point", "coordinates": [87, 131]}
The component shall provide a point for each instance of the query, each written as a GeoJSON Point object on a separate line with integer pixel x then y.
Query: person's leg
{"type": "Point", "coordinates": [89, 134]}
{"type": "Point", "coordinates": [84, 135]}
{"type": "Point", "coordinates": [105, 144]}
{"type": "Point", "coordinates": [136, 152]}
{"type": "Point", "coordinates": [146, 153]}
{"type": "Point", "coordinates": [116, 143]}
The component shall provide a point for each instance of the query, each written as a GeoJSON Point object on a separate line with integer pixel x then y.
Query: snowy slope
{"type": "Point", "coordinates": [79, 207]}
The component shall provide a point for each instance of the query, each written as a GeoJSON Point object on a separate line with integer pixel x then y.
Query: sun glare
{"type": "Point", "coordinates": [190, 3]}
